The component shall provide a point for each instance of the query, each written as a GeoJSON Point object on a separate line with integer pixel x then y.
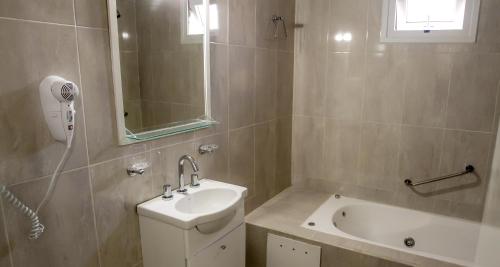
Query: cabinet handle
{"type": "Point", "coordinates": [223, 247]}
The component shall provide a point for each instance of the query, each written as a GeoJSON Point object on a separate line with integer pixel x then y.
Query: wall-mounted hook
{"type": "Point", "coordinates": [277, 20]}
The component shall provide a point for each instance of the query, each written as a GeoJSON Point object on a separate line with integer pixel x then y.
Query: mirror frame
{"type": "Point", "coordinates": [172, 128]}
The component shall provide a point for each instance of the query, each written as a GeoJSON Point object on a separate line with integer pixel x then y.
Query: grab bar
{"type": "Point", "coordinates": [468, 169]}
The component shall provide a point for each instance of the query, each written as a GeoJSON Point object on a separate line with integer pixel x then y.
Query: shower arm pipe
{"type": "Point", "coordinates": [468, 169]}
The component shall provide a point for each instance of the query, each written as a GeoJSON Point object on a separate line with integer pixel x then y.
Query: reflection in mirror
{"type": "Point", "coordinates": [163, 70]}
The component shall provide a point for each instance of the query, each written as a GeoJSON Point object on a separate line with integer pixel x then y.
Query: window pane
{"type": "Point", "coordinates": [196, 19]}
{"type": "Point", "coordinates": [415, 15]}
{"type": "Point", "coordinates": [431, 10]}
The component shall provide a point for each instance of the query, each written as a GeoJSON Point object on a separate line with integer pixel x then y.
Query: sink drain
{"type": "Point", "coordinates": [409, 242]}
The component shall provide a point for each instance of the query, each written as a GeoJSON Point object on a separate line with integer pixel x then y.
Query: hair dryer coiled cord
{"type": "Point", "coordinates": [36, 227]}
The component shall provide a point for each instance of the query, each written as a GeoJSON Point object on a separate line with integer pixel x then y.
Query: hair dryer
{"type": "Point", "coordinates": [57, 96]}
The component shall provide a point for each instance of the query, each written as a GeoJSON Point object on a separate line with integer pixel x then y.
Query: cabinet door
{"type": "Point", "coordinates": [229, 251]}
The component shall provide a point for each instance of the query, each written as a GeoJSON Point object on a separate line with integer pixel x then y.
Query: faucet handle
{"type": "Point", "coordinates": [194, 180]}
{"type": "Point", "coordinates": [167, 192]}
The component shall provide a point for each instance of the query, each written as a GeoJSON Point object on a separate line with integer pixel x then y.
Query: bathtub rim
{"type": "Point", "coordinates": [380, 246]}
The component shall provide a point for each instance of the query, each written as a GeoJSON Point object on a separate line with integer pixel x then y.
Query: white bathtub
{"type": "Point", "coordinates": [438, 237]}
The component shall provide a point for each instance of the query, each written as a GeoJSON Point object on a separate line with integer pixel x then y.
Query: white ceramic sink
{"type": "Point", "coordinates": [210, 201]}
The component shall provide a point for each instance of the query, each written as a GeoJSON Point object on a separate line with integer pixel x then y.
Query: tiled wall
{"type": "Point", "coordinates": [91, 218]}
{"type": "Point", "coordinates": [367, 115]}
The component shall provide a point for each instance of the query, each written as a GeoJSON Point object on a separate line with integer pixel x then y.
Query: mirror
{"type": "Point", "coordinates": [160, 62]}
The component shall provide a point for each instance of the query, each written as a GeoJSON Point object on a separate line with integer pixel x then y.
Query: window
{"type": "Point", "coordinates": [429, 20]}
{"type": "Point", "coordinates": [193, 20]}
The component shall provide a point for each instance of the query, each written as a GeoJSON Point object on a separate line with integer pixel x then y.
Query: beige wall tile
{"type": "Point", "coordinates": [242, 22]}
{"type": "Point", "coordinates": [309, 80]}
{"type": "Point", "coordinates": [467, 211]}
{"type": "Point", "coordinates": [91, 13]}
{"type": "Point", "coordinates": [4, 247]}
{"type": "Point", "coordinates": [312, 13]}
{"type": "Point", "coordinates": [241, 86]}
{"type": "Point", "coordinates": [307, 146]}
{"type": "Point", "coordinates": [420, 152]}
{"type": "Point", "coordinates": [69, 238]}
{"type": "Point", "coordinates": [348, 17]}
{"type": "Point", "coordinates": [384, 87]}
{"type": "Point", "coordinates": [266, 94]}
{"type": "Point", "coordinates": [115, 198]}
{"type": "Point", "coordinates": [379, 156]}
{"type": "Point", "coordinates": [283, 153]}
{"type": "Point", "coordinates": [342, 144]}
{"type": "Point", "coordinates": [488, 39]}
{"type": "Point", "coordinates": [58, 11]}
{"type": "Point", "coordinates": [345, 86]}
{"type": "Point", "coordinates": [30, 52]}
{"type": "Point", "coordinates": [461, 148]}
{"type": "Point", "coordinates": [426, 89]}
{"type": "Point", "coordinates": [309, 84]}
{"type": "Point", "coordinates": [473, 91]}
{"type": "Point", "coordinates": [265, 163]}
{"type": "Point", "coordinates": [242, 158]}
{"type": "Point", "coordinates": [284, 84]}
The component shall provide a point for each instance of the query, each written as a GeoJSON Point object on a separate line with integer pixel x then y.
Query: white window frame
{"type": "Point", "coordinates": [389, 34]}
{"type": "Point", "coordinates": [185, 37]}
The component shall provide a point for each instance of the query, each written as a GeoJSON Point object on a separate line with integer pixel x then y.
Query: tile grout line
{"type": "Point", "coordinates": [228, 91]}
{"type": "Point", "coordinates": [51, 23]}
{"type": "Point", "coordinates": [90, 165]}
{"type": "Point", "coordinates": [322, 168]}
{"type": "Point", "coordinates": [254, 89]}
{"type": "Point", "coordinates": [403, 101]}
{"type": "Point", "coordinates": [400, 124]}
{"type": "Point", "coordinates": [363, 99]}
{"type": "Point", "coordinates": [89, 177]}
{"type": "Point", "coordinates": [445, 118]}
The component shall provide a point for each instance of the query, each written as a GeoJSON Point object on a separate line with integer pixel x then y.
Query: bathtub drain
{"type": "Point", "coordinates": [409, 242]}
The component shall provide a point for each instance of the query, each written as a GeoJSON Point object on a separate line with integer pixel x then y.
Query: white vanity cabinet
{"type": "Point", "coordinates": [226, 252]}
{"type": "Point", "coordinates": [219, 243]}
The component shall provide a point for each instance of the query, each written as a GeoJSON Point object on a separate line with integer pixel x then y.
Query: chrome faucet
{"type": "Point", "coordinates": [191, 160]}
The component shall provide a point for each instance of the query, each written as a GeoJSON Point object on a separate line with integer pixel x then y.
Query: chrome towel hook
{"type": "Point", "coordinates": [277, 21]}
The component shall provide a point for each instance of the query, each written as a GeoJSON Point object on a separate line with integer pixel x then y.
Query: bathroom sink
{"type": "Point", "coordinates": [209, 202]}
{"type": "Point", "coordinates": [205, 201]}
